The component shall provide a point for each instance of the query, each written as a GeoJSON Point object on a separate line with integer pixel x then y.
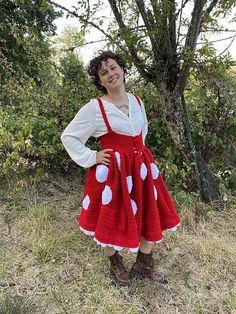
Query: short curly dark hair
{"type": "Point", "coordinates": [95, 64]}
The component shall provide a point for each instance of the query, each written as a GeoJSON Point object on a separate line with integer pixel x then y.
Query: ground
{"type": "Point", "coordinates": [48, 266]}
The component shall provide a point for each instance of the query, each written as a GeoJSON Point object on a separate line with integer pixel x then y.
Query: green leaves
{"type": "Point", "coordinates": [23, 29]}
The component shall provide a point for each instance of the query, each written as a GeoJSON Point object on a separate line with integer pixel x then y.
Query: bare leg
{"type": "Point", "coordinates": [109, 251]}
{"type": "Point", "coordinates": [146, 247]}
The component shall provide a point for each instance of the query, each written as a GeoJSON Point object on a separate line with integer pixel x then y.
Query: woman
{"type": "Point", "coordinates": [125, 203]}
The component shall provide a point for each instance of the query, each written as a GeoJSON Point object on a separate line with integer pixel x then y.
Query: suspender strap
{"type": "Point", "coordinates": [104, 114]}
{"type": "Point", "coordinates": [139, 101]}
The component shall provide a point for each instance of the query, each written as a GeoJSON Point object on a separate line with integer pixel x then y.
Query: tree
{"type": "Point", "coordinates": [35, 109]}
{"type": "Point", "coordinates": [150, 33]}
{"type": "Point", "coordinates": [76, 88]}
{"type": "Point", "coordinates": [24, 27]}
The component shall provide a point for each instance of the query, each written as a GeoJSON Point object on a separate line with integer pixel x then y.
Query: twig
{"type": "Point", "coordinates": [82, 19]}
{"type": "Point", "coordinates": [214, 41]}
{"type": "Point", "coordinates": [218, 30]}
{"type": "Point", "coordinates": [82, 45]}
{"type": "Point", "coordinates": [181, 11]}
{"type": "Point", "coordinates": [226, 47]}
{"type": "Point", "coordinates": [182, 6]}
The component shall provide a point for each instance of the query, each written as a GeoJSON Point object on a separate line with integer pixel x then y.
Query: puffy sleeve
{"type": "Point", "coordinates": [77, 133]}
{"type": "Point", "coordinates": [145, 128]}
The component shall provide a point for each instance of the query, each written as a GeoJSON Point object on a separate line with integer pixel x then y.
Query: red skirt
{"type": "Point", "coordinates": [128, 199]}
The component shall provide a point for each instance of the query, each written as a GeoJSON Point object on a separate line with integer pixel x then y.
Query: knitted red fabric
{"type": "Point", "coordinates": [127, 199]}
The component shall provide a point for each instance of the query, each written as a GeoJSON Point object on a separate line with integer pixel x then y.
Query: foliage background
{"type": "Point", "coordinates": [44, 83]}
{"type": "Point", "coordinates": [46, 266]}
{"type": "Point", "coordinates": [34, 113]}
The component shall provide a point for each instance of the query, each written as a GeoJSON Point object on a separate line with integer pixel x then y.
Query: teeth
{"type": "Point", "coordinates": [113, 80]}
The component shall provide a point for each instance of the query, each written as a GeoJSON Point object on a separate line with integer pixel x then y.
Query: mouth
{"type": "Point", "coordinates": [113, 80]}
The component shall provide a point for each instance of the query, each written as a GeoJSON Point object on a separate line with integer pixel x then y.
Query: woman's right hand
{"type": "Point", "coordinates": [102, 156]}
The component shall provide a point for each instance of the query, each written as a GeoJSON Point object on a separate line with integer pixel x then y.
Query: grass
{"type": "Point", "coordinates": [47, 266]}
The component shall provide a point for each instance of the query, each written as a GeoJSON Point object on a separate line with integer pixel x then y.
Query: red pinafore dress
{"type": "Point", "coordinates": [128, 199]}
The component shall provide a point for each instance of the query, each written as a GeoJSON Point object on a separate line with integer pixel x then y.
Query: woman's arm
{"type": "Point", "coordinates": [77, 133]}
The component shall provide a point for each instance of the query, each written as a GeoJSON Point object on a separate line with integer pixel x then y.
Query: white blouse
{"type": "Point", "coordinates": [89, 122]}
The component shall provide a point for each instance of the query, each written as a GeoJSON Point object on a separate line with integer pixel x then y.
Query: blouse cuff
{"type": "Point", "coordinates": [86, 161]}
{"type": "Point", "coordinates": [92, 160]}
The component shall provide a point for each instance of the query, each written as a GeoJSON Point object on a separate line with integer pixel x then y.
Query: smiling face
{"type": "Point", "coordinates": [111, 75]}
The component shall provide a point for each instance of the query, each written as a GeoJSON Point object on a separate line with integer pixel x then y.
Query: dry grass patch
{"type": "Point", "coordinates": [47, 266]}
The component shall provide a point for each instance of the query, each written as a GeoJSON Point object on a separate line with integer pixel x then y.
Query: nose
{"type": "Point", "coordinates": [110, 73]}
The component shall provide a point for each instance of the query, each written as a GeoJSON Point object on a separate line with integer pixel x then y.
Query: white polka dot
{"type": "Point", "coordinates": [129, 183]}
{"type": "Point", "coordinates": [155, 192]}
{"type": "Point", "coordinates": [101, 173]}
{"type": "Point", "coordinates": [155, 171]}
{"type": "Point", "coordinates": [134, 206]}
{"type": "Point", "coordinates": [143, 171]}
{"type": "Point", "coordinates": [106, 195]}
{"type": "Point", "coordinates": [86, 202]}
{"type": "Point", "coordinates": [117, 154]}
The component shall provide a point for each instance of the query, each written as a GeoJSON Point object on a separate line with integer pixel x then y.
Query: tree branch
{"type": "Point", "coordinates": [190, 44]}
{"type": "Point", "coordinates": [150, 26]}
{"type": "Point", "coordinates": [172, 27]}
{"type": "Point", "coordinates": [215, 41]}
{"type": "Point", "coordinates": [227, 47]}
{"type": "Point", "coordinates": [85, 21]}
{"type": "Point", "coordinates": [208, 11]}
{"type": "Point", "coordinates": [84, 44]}
{"type": "Point", "coordinates": [219, 30]}
{"type": "Point", "coordinates": [211, 7]}
{"type": "Point", "coordinates": [156, 10]}
{"type": "Point", "coordinates": [183, 4]}
{"type": "Point", "coordinates": [137, 61]}
{"type": "Point", "coordinates": [180, 18]}
{"type": "Point", "coordinates": [143, 13]}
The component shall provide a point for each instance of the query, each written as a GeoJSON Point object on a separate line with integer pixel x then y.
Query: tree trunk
{"type": "Point", "coordinates": [171, 109]}
{"type": "Point", "coordinates": [208, 188]}
{"type": "Point", "coordinates": [175, 113]}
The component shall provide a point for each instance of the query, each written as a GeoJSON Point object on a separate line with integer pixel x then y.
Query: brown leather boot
{"type": "Point", "coordinates": [144, 268]}
{"type": "Point", "coordinates": [118, 269]}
